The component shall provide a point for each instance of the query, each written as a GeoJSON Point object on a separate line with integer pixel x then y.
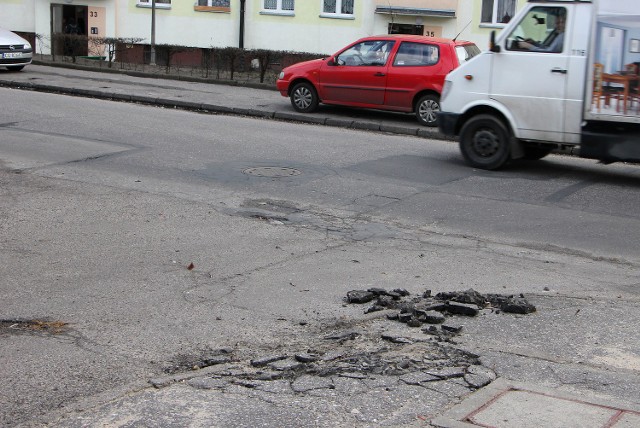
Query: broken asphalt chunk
{"type": "Point", "coordinates": [407, 307]}
{"type": "Point", "coordinates": [447, 372]}
{"type": "Point", "coordinates": [393, 295]}
{"type": "Point", "coordinates": [479, 376]}
{"type": "Point", "coordinates": [214, 360]}
{"type": "Point", "coordinates": [359, 296]}
{"type": "Point", "coordinates": [430, 305]}
{"type": "Point", "coordinates": [414, 322]}
{"type": "Point", "coordinates": [518, 306]}
{"type": "Point", "coordinates": [306, 358]}
{"type": "Point", "coordinates": [350, 335]}
{"type": "Point", "coordinates": [396, 339]}
{"type": "Point", "coordinates": [418, 310]}
{"type": "Point", "coordinates": [468, 309]}
{"type": "Point", "coordinates": [511, 304]}
{"type": "Point", "coordinates": [433, 317]}
{"type": "Point", "coordinates": [451, 328]}
{"type": "Point", "coordinates": [285, 365]}
{"type": "Point", "coordinates": [386, 301]}
{"type": "Point", "coordinates": [374, 308]}
{"type": "Point", "coordinates": [469, 296]}
{"type": "Point", "coordinates": [418, 378]}
{"type": "Point", "coordinates": [432, 329]}
{"type": "Point", "coordinates": [405, 317]}
{"type": "Point", "coordinates": [353, 375]}
{"type": "Point", "coordinates": [260, 362]}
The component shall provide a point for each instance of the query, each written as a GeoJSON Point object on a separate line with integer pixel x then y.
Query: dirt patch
{"type": "Point", "coordinates": [35, 326]}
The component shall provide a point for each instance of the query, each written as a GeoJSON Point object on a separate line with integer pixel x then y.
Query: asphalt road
{"type": "Point", "coordinates": [106, 205]}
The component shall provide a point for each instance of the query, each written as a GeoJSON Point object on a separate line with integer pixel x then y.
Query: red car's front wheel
{"type": "Point", "coordinates": [304, 97]}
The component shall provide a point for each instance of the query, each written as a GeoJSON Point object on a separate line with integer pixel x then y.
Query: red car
{"type": "Point", "coordinates": [392, 72]}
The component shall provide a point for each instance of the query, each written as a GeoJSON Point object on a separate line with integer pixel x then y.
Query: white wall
{"type": "Point", "coordinates": [305, 32]}
{"type": "Point", "coordinates": [17, 15]}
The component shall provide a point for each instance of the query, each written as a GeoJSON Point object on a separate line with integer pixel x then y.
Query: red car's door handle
{"type": "Point", "coordinates": [379, 74]}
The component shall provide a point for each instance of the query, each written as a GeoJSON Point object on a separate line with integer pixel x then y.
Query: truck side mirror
{"type": "Point", "coordinates": [492, 43]}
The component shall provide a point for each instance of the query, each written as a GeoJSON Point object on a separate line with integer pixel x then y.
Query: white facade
{"type": "Point", "coordinates": [216, 23]}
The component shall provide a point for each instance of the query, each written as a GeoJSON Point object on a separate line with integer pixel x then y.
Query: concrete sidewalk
{"type": "Point", "coordinates": [255, 100]}
{"type": "Point", "coordinates": [509, 404]}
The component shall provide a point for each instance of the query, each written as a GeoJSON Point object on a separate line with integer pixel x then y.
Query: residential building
{"type": "Point", "coordinates": [316, 26]}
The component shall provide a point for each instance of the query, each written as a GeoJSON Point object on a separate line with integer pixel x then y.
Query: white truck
{"type": "Point", "coordinates": [562, 74]}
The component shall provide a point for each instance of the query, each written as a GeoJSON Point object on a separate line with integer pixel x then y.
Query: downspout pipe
{"type": "Point", "coordinates": [241, 36]}
{"type": "Point", "coordinates": [152, 54]}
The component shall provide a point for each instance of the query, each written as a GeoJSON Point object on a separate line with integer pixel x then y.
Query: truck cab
{"type": "Point", "coordinates": [539, 87]}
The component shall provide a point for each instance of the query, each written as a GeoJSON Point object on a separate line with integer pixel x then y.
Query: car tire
{"type": "Point", "coordinates": [15, 67]}
{"type": "Point", "coordinates": [304, 97]}
{"type": "Point", "coordinates": [427, 109]}
{"type": "Point", "coordinates": [484, 142]}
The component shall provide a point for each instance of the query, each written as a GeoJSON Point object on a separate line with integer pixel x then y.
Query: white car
{"type": "Point", "coordinates": [15, 52]}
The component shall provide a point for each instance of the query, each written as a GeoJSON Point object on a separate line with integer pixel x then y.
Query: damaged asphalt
{"type": "Point", "coordinates": [382, 356]}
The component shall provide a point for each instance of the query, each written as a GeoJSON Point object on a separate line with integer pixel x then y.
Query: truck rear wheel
{"type": "Point", "coordinates": [484, 142]}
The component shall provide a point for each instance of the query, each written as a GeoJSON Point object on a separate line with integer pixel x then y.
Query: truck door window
{"type": "Point", "coordinates": [541, 30]}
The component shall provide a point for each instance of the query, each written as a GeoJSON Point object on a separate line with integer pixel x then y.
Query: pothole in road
{"type": "Point", "coordinates": [374, 349]}
{"type": "Point", "coordinates": [272, 171]}
{"type": "Point", "coordinates": [355, 354]}
{"type": "Point", "coordinates": [269, 218]}
{"type": "Point", "coordinates": [272, 205]}
{"type": "Point", "coordinates": [20, 326]}
{"type": "Point", "coordinates": [268, 210]}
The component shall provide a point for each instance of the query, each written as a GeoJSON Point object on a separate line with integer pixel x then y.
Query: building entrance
{"type": "Point", "coordinates": [69, 30]}
{"type": "Point", "coordinates": [406, 29]}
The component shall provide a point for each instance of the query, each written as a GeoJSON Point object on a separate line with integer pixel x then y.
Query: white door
{"type": "Point", "coordinates": [530, 73]}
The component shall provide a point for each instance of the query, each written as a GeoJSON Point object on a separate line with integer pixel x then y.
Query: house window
{"type": "Point", "coordinates": [214, 3]}
{"type": "Point", "coordinates": [498, 11]}
{"type": "Point", "coordinates": [213, 6]}
{"type": "Point", "coordinates": [337, 8]}
{"type": "Point", "coordinates": [280, 7]}
{"type": "Point", "coordinates": [164, 4]}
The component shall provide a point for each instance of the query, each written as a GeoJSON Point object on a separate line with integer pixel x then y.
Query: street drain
{"type": "Point", "coordinates": [272, 171]}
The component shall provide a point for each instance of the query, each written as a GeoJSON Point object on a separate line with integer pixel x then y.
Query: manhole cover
{"type": "Point", "coordinates": [272, 171]}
